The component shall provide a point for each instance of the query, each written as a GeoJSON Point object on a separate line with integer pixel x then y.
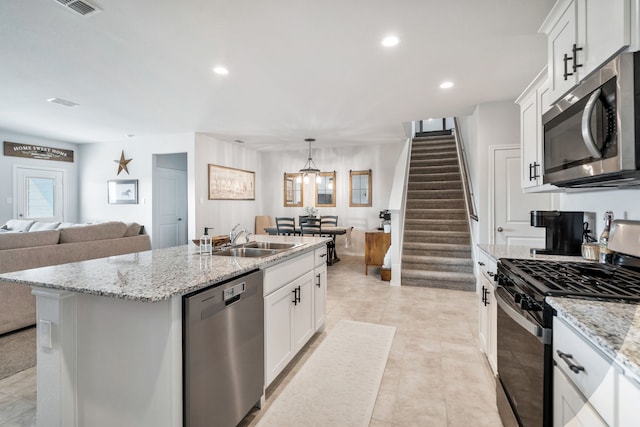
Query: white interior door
{"type": "Point", "coordinates": [39, 194]}
{"type": "Point", "coordinates": [170, 208]}
{"type": "Point", "coordinates": [511, 207]}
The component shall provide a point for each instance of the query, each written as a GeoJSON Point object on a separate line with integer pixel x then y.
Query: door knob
{"type": "Point", "coordinates": [179, 219]}
{"type": "Point", "coordinates": [500, 229]}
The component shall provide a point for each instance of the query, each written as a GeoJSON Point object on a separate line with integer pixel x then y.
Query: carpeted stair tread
{"type": "Point", "coordinates": [436, 248]}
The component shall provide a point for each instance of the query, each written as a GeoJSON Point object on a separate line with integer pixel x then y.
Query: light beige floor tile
{"type": "Point", "coordinates": [435, 374]}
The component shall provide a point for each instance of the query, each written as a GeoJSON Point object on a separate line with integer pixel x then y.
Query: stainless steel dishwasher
{"type": "Point", "coordinates": [223, 351]}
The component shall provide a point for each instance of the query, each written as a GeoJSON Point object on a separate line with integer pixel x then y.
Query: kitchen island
{"type": "Point", "coordinates": [110, 331]}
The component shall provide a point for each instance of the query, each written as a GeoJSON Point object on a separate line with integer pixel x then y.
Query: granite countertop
{"type": "Point", "coordinates": [155, 275]}
{"type": "Point", "coordinates": [613, 327]}
{"type": "Point", "coordinates": [522, 252]}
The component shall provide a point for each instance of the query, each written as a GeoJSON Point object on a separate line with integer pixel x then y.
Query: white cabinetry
{"type": "Point", "coordinates": [488, 309]}
{"type": "Point", "coordinates": [581, 36]}
{"type": "Point", "coordinates": [292, 307]}
{"type": "Point", "coordinates": [589, 388]}
{"type": "Point", "coordinates": [320, 288]}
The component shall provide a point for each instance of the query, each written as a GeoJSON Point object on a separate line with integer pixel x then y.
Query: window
{"type": "Point", "coordinates": [293, 194]}
{"type": "Point", "coordinates": [326, 189]}
{"type": "Point", "coordinates": [39, 194]}
{"type": "Point", "coordinates": [360, 188]}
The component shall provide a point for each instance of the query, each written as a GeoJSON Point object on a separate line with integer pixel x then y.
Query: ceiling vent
{"type": "Point", "coordinates": [82, 7]}
{"type": "Point", "coordinates": [62, 102]}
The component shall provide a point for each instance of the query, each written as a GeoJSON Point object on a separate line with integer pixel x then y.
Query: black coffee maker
{"type": "Point", "coordinates": [564, 232]}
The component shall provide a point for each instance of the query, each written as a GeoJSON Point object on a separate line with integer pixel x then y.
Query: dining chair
{"type": "Point", "coordinates": [330, 221]}
{"type": "Point", "coordinates": [285, 226]}
{"type": "Point", "coordinates": [312, 226]}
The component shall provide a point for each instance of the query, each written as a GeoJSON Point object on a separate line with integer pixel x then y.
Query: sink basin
{"type": "Point", "coordinates": [245, 252]}
{"type": "Point", "coordinates": [269, 245]}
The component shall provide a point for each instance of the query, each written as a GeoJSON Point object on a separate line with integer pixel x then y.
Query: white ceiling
{"type": "Point", "coordinates": [298, 68]}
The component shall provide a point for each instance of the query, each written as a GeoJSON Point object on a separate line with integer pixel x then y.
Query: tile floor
{"type": "Point", "coordinates": [435, 375]}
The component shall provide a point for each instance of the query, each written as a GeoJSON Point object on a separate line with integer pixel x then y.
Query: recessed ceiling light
{"type": "Point", "coordinates": [446, 85]}
{"type": "Point", "coordinates": [221, 71]}
{"type": "Point", "coordinates": [390, 41]}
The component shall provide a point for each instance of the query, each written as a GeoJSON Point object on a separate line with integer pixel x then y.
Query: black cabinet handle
{"type": "Point", "coordinates": [318, 282]}
{"type": "Point", "coordinates": [323, 255]}
{"type": "Point", "coordinates": [480, 263]}
{"type": "Point", "coordinates": [566, 72]}
{"type": "Point", "coordinates": [575, 49]}
{"type": "Point", "coordinates": [533, 170]}
{"type": "Point", "coordinates": [299, 292]}
{"type": "Point", "coordinates": [295, 296]}
{"type": "Point", "coordinates": [566, 357]}
{"type": "Point", "coordinates": [491, 273]}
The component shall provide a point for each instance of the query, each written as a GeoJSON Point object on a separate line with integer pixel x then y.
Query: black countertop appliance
{"type": "Point", "coordinates": [564, 231]}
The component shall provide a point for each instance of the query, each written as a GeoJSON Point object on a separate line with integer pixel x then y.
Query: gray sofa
{"type": "Point", "coordinates": [22, 248]}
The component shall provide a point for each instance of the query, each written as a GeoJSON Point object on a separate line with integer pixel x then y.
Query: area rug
{"type": "Point", "coordinates": [338, 384]}
{"type": "Point", "coordinates": [17, 352]}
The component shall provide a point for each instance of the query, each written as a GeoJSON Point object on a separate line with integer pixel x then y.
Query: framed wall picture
{"type": "Point", "coordinates": [123, 191]}
{"type": "Point", "coordinates": [231, 184]}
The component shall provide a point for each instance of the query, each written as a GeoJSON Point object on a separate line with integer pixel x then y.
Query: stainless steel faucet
{"type": "Point", "coordinates": [233, 235]}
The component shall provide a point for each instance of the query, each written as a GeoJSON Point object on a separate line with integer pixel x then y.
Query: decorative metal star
{"type": "Point", "coordinates": [122, 163]}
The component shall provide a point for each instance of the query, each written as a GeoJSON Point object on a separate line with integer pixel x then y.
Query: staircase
{"type": "Point", "coordinates": [437, 244]}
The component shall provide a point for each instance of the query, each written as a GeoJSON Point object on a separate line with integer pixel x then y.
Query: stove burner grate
{"type": "Point", "coordinates": [555, 278]}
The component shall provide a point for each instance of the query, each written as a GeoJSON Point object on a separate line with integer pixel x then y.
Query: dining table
{"type": "Point", "coordinates": [331, 231]}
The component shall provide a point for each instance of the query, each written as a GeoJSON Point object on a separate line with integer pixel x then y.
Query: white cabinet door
{"type": "Point", "coordinates": [529, 140]}
{"type": "Point", "coordinates": [569, 406]}
{"type": "Point", "coordinates": [560, 41]}
{"type": "Point", "coordinates": [629, 399]}
{"type": "Point", "coordinates": [320, 297]}
{"type": "Point", "coordinates": [602, 42]}
{"type": "Point", "coordinates": [278, 321]}
{"type": "Point", "coordinates": [303, 326]}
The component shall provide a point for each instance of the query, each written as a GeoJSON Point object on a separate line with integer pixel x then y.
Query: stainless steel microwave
{"type": "Point", "coordinates": [591, 134]}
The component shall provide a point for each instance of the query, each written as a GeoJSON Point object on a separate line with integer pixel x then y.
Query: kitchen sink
{"type": "Point", "coordinates": [245, 252]}
{"type": "Point", "coordinates": [269, 245]}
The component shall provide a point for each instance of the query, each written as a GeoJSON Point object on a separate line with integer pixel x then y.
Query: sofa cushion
{"type": "Point", "coordinates": [40, 225]}
{"type": "Point", "coordinates": [87, 233]}
{"type": "Point", "coordinates": [27, 240]}
{"type": "Point", "coordinates": [133, 229]}
{"type": "Point", "coordinates": [19, 224]}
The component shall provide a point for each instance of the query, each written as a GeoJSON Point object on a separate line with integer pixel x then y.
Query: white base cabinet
{"type": "Point", "coordinates": [589, 388]}
{"type": "Point", "coordinates": [294, 309]}
{"type": "Point", "coordinates": [320, 288]}
{"type": "Point", "coordinates": [488, 312]}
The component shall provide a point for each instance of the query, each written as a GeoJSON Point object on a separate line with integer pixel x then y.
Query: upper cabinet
{"type": "Point", "coordinates": [581, 36]}
{"type": "Point", "coordinates": [533, 102]}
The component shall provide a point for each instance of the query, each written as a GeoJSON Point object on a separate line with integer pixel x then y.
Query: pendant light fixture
{"type": "Point", "coordinates": [310, 166]}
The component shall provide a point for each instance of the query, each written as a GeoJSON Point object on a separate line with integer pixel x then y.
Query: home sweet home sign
{"type": "Point", "coordinates": [37, 152]}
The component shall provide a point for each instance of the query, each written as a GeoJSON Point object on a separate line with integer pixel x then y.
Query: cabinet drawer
{"type": "Point", "coordinates": [593, 374]}
{"type": "Point", "coordinates": [486, 265]}
{"type": "Point", "coordinates": [280, 274]}
{"type": "Point", "coordinates": [320, 255]}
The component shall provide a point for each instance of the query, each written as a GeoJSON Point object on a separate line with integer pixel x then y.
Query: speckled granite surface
{"type": "Point", "coordinates": [612, 327]}
{"type": "Point", "coordinates": [522, 252]}
{"type": "Point", "coordinates": [155, 275]}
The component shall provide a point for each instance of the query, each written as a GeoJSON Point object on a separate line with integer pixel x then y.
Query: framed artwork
{"type": "Point", "coordinates": [231, 184]}
{"type": "Point", "coordinates": [123, 191]}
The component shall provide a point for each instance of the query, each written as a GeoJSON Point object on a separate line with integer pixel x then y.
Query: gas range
{"type": "Point", "coordinates": [540, 278]}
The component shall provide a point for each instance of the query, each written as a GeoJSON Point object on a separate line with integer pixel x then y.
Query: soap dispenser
{"type": "Point", "coordinates": [205, 243]}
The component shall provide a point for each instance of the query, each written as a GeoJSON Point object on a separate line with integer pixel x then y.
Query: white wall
{"type": "Point", "coordinates": [97, 166]}
{"type": "Point", "coordinates": [493, 123]}
{"type": "Point", "coordinates": [625, 204]}
{"type": "Point", "coordinates": [381, 159]}
{"type": "Point", "coordinates": [7, 164]}
{"type": "Point", "coordinates": [222, 215]}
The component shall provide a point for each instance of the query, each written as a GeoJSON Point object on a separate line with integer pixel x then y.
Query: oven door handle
{"type": "Point", "coordinates": [587, 135]}
{"type": "Point", "coordinates": [544, 334]}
